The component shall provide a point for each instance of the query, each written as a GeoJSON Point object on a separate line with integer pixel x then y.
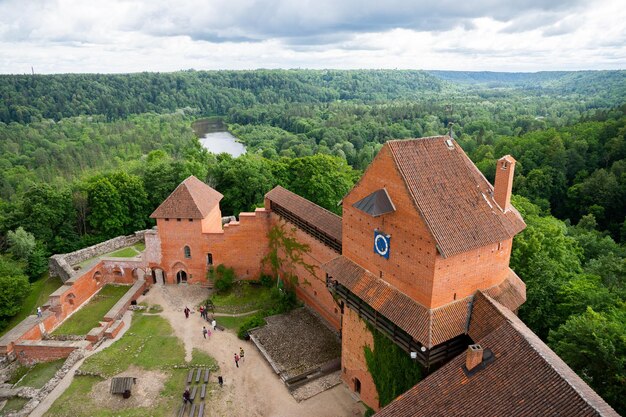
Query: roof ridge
{"type": "Point", "coordinates": [193, 197]}
{"type": "Point", "coordinates": [305, 199]}
{"type": "Point", "coordinates": [448, 190]}
{"type": "Point", "coordinates": [533, 341]}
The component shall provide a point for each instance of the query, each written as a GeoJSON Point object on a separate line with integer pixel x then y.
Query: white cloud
{"type": "Point", "coordinates": [161, 35]}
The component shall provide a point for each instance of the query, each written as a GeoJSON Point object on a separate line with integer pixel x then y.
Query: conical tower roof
{"type": "Point", "coordinates": [192, 199]}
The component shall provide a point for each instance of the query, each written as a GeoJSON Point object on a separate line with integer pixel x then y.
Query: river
{"type": "Point", "coordinates": [216, 139]}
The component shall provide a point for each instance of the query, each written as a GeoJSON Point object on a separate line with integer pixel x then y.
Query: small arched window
{"type": "Point", "coordinates": [187, 252]}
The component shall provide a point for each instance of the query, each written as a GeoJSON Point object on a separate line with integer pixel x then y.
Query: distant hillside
{"type": "Point", "coordinates": [569, 81]}
{"type": "Point", "coordinates": [32, 97]}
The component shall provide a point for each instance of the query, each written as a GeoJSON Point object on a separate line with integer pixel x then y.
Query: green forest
{"type": "Point", "coordinates": [87, 157]}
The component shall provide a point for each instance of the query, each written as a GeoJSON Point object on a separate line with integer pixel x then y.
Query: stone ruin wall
{"type": "Point", "coordinates": [61, 265]}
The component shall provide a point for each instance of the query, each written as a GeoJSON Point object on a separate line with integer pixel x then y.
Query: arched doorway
{"type": "Point", "coordinates": [158, 276]}
{"type": "Point", "coordinates": [181, 277]}
{"type": "Point", "coordinates": [357, 386]}
{"type": "Point", "coordinates": [139, 273]}
{"type": "Point", "coordinates": [118, 274]}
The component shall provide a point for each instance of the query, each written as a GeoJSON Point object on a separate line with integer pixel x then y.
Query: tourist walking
{"type": "Point", "coordinates": [202, 311]}
{"type": "Point", "coordinates": [39, 314]}
{"type": "Point", "coordinates": [220, 380]}
{"type": "Point", "coordinates": [186, 396]}
{"type": "Point", "coordinates": [186, 312]}
{"type": "Point", "coordinates": [241, 352]}
{"type": "Point", "coordinates": [237, 360]}
{"type": "Point", "coordinates": [214, 324]}
{"type": "Point", "coordinates": [204, 331]}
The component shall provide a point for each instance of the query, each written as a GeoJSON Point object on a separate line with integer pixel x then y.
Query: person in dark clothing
{"type": "Point", "coordinates": [186, 396]}
{"type": "Point", "coordinates": [220, 380]}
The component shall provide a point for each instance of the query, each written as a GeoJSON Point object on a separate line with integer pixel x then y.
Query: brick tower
{"type": "Point", "coordinates": [183, 220]}
{"type": "Point", "coordinates": [423, 230]}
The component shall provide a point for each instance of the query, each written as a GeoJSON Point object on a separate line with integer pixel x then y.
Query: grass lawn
{"type": "Point", "coordinates": [38, 375]}
{"type": "Point", "coordinates": [149, 344]}
{"type": "Point", "coordinates": [123, 253]}
{"type": "Point", "coordinates": [40, 290]}
{"type": "Point", "coordinates": [14, 404]}
{"type": "Point", "coordinates": [233, 322]}
{"type": "Point", "coordinates": [88, 317]}
{"type": "Point", "coordinates": [241, 298]}
{"type": "Point", "coordinates": [127, 252]}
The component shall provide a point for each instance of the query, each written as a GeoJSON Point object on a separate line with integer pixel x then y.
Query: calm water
{"type": "Point", "coordinates": [215, 138]}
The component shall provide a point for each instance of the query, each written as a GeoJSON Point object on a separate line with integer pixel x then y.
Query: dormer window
{"type": "Point", "coordinates": [187, 251]}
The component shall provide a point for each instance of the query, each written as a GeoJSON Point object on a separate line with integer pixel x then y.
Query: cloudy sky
{"type": "Point", "coordinates": [111, 36]}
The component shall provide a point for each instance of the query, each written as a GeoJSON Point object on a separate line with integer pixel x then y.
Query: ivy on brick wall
{"type": "Point", "coordinates": [391, 368]}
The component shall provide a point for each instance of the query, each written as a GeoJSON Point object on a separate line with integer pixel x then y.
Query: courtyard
{"type": "Point", "coordinates": [158, 349]}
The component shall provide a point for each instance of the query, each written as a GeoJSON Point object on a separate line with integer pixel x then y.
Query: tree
{"type": "Point", "coordinates": [612, 269]}
{"type": "Point", "coordinates": [323, 179]}
{"type": "Point", "coordinates": [243, 181]}
{"type": "Point", "coordinates": [133, 198]}
{"type": "Point", "coordinates": [546, 259]}
{"type": "Point", "coordinates": [581, 292]}
{"type": "Point", "coordinates": [108, 215]}
{"type": "Point", "coordinates": [37, 262]}
{"type": "Point", "coordinates": [48, 213]}
{"type": "Point", "coordinates": [14, 287]}
{"type": "Point", "coordinates": [21, 243]}
{"type": "Point", "coordinates": [594, 345]}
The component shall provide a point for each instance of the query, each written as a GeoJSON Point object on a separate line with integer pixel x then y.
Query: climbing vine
{"type": "Point", "coordinates": [393, 371]}
{"type": "Point", "coordinates": [286, 252]}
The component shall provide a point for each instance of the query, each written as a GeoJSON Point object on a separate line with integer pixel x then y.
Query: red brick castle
{"type": "Point", "coordinates": [421, 254]}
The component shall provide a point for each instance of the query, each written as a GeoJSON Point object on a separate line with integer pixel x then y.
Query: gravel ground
{"type": "Point", "coordinates": [298, 342]}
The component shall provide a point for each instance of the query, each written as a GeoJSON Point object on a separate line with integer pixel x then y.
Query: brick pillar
{"type": "Point", "coordinates": [504, 182]}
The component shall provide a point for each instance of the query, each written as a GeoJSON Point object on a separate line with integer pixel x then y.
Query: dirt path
{"type": "Point", "coordinates": [253, 389]}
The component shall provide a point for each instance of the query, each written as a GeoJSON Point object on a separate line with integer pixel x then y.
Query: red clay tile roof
{"type": "Point", "coordinates": [525, 379]}
{"type": "Point", "coordinates": [327, 222]}
{"type": "Point", "coordinates": [428, 327]}
{"type": "Point", "coordinates": [192, 199]}
{"type": "Point", "coordinates": [511, 293]}
{"type": "Point", "coordinates": [453, 197]}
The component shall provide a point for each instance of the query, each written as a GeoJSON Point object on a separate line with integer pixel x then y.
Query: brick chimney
{"type": "Point", "coordinates": [474, 356]}
{"type": "Point", "coordinates": [504, 182]}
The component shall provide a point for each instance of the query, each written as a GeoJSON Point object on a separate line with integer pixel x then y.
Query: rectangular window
{"type": "Point", "coordinates": [167, 220]}
{"type": "Point", "coordinates": [190, 220]}
{"type": "Point", "coordinates": [177, 220]}
{"type": "Point", "coordinates": [209, 259]}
